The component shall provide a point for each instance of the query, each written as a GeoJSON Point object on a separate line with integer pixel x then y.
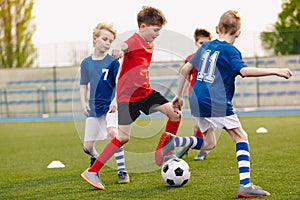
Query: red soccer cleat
{"type": "Point", "coordinates": [163, 148]}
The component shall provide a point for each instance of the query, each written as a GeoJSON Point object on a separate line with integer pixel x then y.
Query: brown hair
{"type": "Point", "coordinates": [201, 32]}
{"type": "Point", "coordinates": [151, 16]}
{"type": "Point", "coordinates": [101, 26]}
{"type": "Point", "coordinates": [230, 22]}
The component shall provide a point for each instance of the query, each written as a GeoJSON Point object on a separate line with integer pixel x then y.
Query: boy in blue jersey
{"type": "Point", "coordinates": [100, 71]}
{"type": "Point", "coordinates": [218, 62]}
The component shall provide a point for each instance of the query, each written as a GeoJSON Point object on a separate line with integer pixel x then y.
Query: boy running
{"type": "Point", "coordinates": [134, 93]}
{"type": "Point", "coordinates": [218, 62]}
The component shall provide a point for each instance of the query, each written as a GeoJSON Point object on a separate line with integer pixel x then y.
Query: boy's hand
{"type": "Point", "coordinates": [85, 109]}
{"type": "Point", "coordinates": [177, 103]}
{"type": "Point", "coordinates": [112, 108]}
{"type": "Point", "coordinates": [286, 73]}
{"type": "Point", "coordinates": [117, 54]}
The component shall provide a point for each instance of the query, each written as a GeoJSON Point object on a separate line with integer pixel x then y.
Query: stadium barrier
{"type": "Point", "coordinates": [54, 90]}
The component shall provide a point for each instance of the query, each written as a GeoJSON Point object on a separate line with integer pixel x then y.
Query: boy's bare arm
{"type": "Point", "coordinates": [256, 72]}
{"type": "Point", "coordinates": [184, 73]}
{"type": "Point", "coordinates": [84, 104]}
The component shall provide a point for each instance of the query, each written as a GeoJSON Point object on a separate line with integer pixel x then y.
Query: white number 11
{"type": "Point", "coordinates": [209, 75]}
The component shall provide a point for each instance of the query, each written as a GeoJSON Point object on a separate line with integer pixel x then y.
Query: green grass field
{"type": "Point", "coordinates": [27, 148]}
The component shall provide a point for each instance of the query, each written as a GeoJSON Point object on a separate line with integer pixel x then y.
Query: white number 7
{"type": "Point", "coordinates": [105, 71]}
{"type": "Point", "coordinates": [208, 76]}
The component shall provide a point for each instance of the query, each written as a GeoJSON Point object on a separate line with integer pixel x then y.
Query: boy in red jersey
{"type": "Point", "coordinates": [200, 36]}
{"type": "Point", "coordinates": [134, 93]}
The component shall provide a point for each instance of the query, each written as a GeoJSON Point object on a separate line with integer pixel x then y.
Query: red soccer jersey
{"type": "Point", "coordinates": [193, 75]}
{"type": "Point", "coordinates": [134, 81]}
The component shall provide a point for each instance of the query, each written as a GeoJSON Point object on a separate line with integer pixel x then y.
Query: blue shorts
{"type": "Point", "coordinates": [128, 112]}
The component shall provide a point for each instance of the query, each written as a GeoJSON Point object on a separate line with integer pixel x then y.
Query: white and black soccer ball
{"type": "Point", "coordinates": [175, 172]}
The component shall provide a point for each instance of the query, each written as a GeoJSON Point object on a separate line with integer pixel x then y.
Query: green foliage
{"type": "Point", "coordinates": [16, 30]}
{"type": "Point", "coordinates": [284, 39]}
{"type": "Point", "coordinates": [27, 148]}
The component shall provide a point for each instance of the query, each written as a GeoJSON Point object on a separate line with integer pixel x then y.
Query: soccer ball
{"type": "Point", "coordinates": [175, 172]}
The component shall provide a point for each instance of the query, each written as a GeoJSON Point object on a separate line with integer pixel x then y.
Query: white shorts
{"type": "Point", "coordinates": [228, 122]}
{"type": "Point", "coordinates": [96, 127]}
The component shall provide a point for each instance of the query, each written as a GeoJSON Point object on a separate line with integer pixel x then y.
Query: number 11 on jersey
{"type": "Point", "coordinates": [211, 61]}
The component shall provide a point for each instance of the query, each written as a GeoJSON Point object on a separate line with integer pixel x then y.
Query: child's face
{"type": "Point", "coordinates": [104, 40]}
{"type": "Point", "coordinates": [149, 33]}
{"type": "Point", "coordinates": [201, 40]}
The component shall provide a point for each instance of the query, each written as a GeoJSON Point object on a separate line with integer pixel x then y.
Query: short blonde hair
{"type": "Point", "coordinates": [105, 26]}
{"type": "Point", "coordinates": [230, 22]}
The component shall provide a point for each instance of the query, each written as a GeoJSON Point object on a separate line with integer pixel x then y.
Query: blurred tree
{"type": "Point", "coordinates": [16, 30]}
{"type": "Point", "coordinates": [284, 39]}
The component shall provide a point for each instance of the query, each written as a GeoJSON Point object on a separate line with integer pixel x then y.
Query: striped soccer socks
{"type": "Point", "coordinates": [194, 142]}
{"type": "Point", "coordinates": [243, 158]}
{"type": "Point", "coordinates": [120, 159]}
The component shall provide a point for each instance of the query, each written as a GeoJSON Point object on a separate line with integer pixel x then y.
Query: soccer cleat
{"type": "Point", "coordinates": [169, 156]}
{"type": "Point", "coordinates": [182, 151]}
{"type": "Point", "coordinates": [165, 145]}
{"type": "Point", "coordinates": [93, 179]}
{"type": "Point", "coordinates": [201, 156]}
{"type": "Point", "coordinates": [123, 177]}
{"type": "Point", "coordinates": [252, 191]}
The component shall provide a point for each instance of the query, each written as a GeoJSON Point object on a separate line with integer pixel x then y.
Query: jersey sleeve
{"type": "Point", "coordinates": [115, 68]}
{"type": "Point", "coordinates": [237, 62]}
{"type": "Point", "coordinates": [84, 77]}
{"type": "Point", "coordinates": [195, 59]}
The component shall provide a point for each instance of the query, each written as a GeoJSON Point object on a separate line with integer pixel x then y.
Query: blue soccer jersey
{"type": "Point", "coordinates": [101, 74]}
{"type": "Point", "coordinates": [218, 63]}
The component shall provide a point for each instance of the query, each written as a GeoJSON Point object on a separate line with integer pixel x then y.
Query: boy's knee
{"type": "Point", "coordinates": [123, 138]}
{"type": "Point", "coordinates": [111, 134]}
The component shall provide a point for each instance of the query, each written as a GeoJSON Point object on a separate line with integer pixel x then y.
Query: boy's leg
{"type": "Point", "coordinates": [122, 173]}
{"type": "Point", "coordinates": [91, 174]}
{"type": "Point", "coordinates": [110, 149]}
{"type": "Point", "coordinates": [112, 130]}
{"type": "Point", "coordinates": [184, 150]}
{"type": "Point", "coordinates": [202, 153]}
{"type": "Point", "coordinates": [194, 142]}
{"type": "Point", "coordinates": [171, 127]}
{"type": "Point", "coordinates": [246, 188]}
{"type": "Point", "coordinates": [89, 148]}
{"type": "Point", "coordinates": [93, 132]}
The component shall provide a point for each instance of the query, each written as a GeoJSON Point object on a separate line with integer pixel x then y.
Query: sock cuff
{"type": "Point", "coordinates": [199, 143]}
{"type": "Point", "coordinates": [242, 146]}
{"type": "Point", "coordinates": [172, 126]}
{"type": "Point", "coordinates": [116, 142]}
{"type": "Point", "coordinates": [198, 133]}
